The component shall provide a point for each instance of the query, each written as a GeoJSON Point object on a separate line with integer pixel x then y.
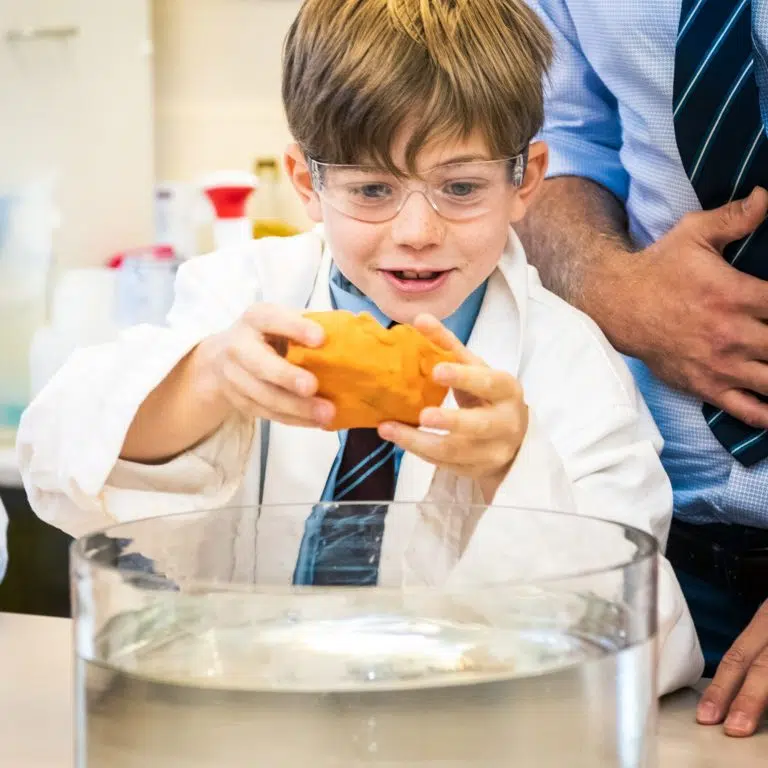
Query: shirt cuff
{"type": "Point", "coordinates": [572, 156]}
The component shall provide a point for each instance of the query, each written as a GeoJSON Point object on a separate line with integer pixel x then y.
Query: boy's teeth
{"type": "Point", "coordinates": [410, 275]}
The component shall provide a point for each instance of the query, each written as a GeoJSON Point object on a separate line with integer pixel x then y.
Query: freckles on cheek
{"type": "Point", "coordinates": [354, 245]}
{"type": "Point", "coordinates": [481, 249]}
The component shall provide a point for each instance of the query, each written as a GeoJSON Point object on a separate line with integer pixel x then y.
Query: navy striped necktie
{"type": "Point", "coordinates": [349, 542]}
{"type": "Point", "coordinates": [722, 143]}
{"type": "Point", "coordinates": [349, 546]}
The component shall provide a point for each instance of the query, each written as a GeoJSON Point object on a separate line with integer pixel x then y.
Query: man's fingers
{"type": "Point", "coordinates": [752, 376]}
{"type": "Point", "coordinates": [714, 702]}
{"type": "Point", "coordinates": [751, 294]}
{"type": "Point", "coordinates": [275, 321]}
{"type": "Point", "coordinates": [748, 707]}
{"type": "Point", "coordinates": [733, 670]}
{"type": "Point", "coordinates": [745, 407]}
{"type": "Point", "coordinates": [750, 703]}
{"type": "Point", "coordinates": [732, 221]}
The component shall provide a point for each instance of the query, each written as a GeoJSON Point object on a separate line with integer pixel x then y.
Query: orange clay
{"type": "Point", "coordinates": [369, 373]}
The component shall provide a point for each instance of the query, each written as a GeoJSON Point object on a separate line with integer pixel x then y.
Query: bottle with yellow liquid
{"type": "Point", "coordinates": [267, 222]}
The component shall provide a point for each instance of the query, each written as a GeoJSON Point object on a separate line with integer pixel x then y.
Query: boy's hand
{"type": "Point", "coordinates": [484, 435]}
{"type": "Point", "coordinates": [242, 367]}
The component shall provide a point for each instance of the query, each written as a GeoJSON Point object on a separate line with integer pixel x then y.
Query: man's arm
{"type": "Point", "coordinates": [574, 234]}
{"type": "Point", "coordinates": [694, 320]}
{"type": "Point", "coordinates": [698, 323]}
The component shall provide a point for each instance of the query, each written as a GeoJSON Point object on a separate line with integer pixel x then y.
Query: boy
{"type": "Point", "coordinates": [413, 123]}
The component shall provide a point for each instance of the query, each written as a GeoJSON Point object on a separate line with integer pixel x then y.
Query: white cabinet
{"type": "Point", "coordinates": [75, 103]}
{"type": "Point", "coordinates": [76, 99]}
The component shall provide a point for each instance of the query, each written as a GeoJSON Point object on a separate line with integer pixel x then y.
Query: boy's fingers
{"type": "Point", "coordinates": [436, 449]}
{"type": "Point", "coordinates": [457, 453]}
{"type": "Point", "coordinates": [273, 320]}
{"type": "Point", "coordinates": [436, 332]}
{"type": "Point", "coordinates": [259, 360]}
{"type": "Point", "coordinates": [246, 406]}
{"type": "Point", "coordinates": [274, 399]}
{"type": "Point", "coordinates": [293, 421]}
{"type": "Point", "coordinates": [480, 381]}
{"type": "Point", "coordinates": [478, 423]}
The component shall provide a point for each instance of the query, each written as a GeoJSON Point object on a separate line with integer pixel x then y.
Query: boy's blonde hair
{"type": "Point", "coordinates": [355, 72]}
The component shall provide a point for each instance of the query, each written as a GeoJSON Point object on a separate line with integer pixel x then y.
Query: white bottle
{"type": "Point", "coordinates": [228, 192]}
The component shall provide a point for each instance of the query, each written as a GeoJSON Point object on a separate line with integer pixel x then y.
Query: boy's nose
{"type": "Point", "coordinates": [418, 225]}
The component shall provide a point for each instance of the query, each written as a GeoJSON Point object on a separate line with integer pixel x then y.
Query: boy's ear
{"type": "Point", "coordinates": [301, 178]}
{"type": "Point", "coordinates": [538, 160]}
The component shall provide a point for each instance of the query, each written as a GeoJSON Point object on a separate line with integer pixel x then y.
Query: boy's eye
{"type": "Point", "coordinates": [370, 192]}
{"type": "Point", "coordinates": [460, 189]}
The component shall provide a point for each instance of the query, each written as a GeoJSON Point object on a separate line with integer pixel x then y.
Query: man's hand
{"type": "Point", "coordinates": [697, 322]}
{"type": "Point", "coordinates": [738, 693]}
{"type": "Point", "coordinates": [483, 436]}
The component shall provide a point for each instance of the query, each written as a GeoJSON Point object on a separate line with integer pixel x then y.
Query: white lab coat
{"type": "Point", "coordinates": [591, 447]}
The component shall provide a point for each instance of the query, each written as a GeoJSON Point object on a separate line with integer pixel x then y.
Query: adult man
{"type": "Point", "coordinates": [655, 121]}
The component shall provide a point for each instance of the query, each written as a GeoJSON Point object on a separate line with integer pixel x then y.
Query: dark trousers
{"type": "Point", "coordinates": [719, 569]}
{"type": "Point", "coordinates": [718, 616]}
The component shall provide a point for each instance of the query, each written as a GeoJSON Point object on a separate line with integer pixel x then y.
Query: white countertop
{"type": "Point", "coordinates": [35, 692]}
{"type": "Point", "coordinates": [36, 707]}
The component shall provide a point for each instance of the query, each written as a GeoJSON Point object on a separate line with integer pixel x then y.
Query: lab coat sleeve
{"type": "Point", "coordinates": [70, 437]}
{"type": "Point", "coordinates": [614, 474]}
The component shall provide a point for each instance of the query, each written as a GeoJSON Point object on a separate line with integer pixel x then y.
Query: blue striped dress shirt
{"type": "Point", "coordinates": [609, 117]}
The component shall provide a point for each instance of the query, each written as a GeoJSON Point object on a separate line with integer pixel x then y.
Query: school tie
{"type": "Point", "coordinates": [721, 138]}
{"type": "Point", "coordinates": [349, 545]}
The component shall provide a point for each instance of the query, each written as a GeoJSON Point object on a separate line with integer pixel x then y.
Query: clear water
{"type": "Point", "coordinates": [380, 690]}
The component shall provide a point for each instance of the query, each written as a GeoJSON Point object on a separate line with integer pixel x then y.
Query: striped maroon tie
{"type": "Point", "coordinates": [349, 546]}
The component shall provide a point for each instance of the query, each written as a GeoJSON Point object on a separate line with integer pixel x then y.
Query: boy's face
{"type": "Point", "coordinates": [419, 261]}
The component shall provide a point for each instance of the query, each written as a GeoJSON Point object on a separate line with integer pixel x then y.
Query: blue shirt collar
{"type": "Point", "coordinates": [344, 295]}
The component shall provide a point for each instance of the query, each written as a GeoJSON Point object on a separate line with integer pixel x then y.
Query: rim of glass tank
{"type": "Point", "coordinates": [647, 548]}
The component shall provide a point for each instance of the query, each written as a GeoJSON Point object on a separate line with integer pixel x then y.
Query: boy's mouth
{"type": "Point", "coordinates": [416, 281]}
{"type": "Point", "coordinates": [412, 275]}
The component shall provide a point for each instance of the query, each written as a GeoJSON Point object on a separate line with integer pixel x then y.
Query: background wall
{"type": "Point", "coordinates": [146, 90]}
{"type": "Point", "coordinates": [81, 107]}
{"type": "Point", "coordinates": [217, 87]}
